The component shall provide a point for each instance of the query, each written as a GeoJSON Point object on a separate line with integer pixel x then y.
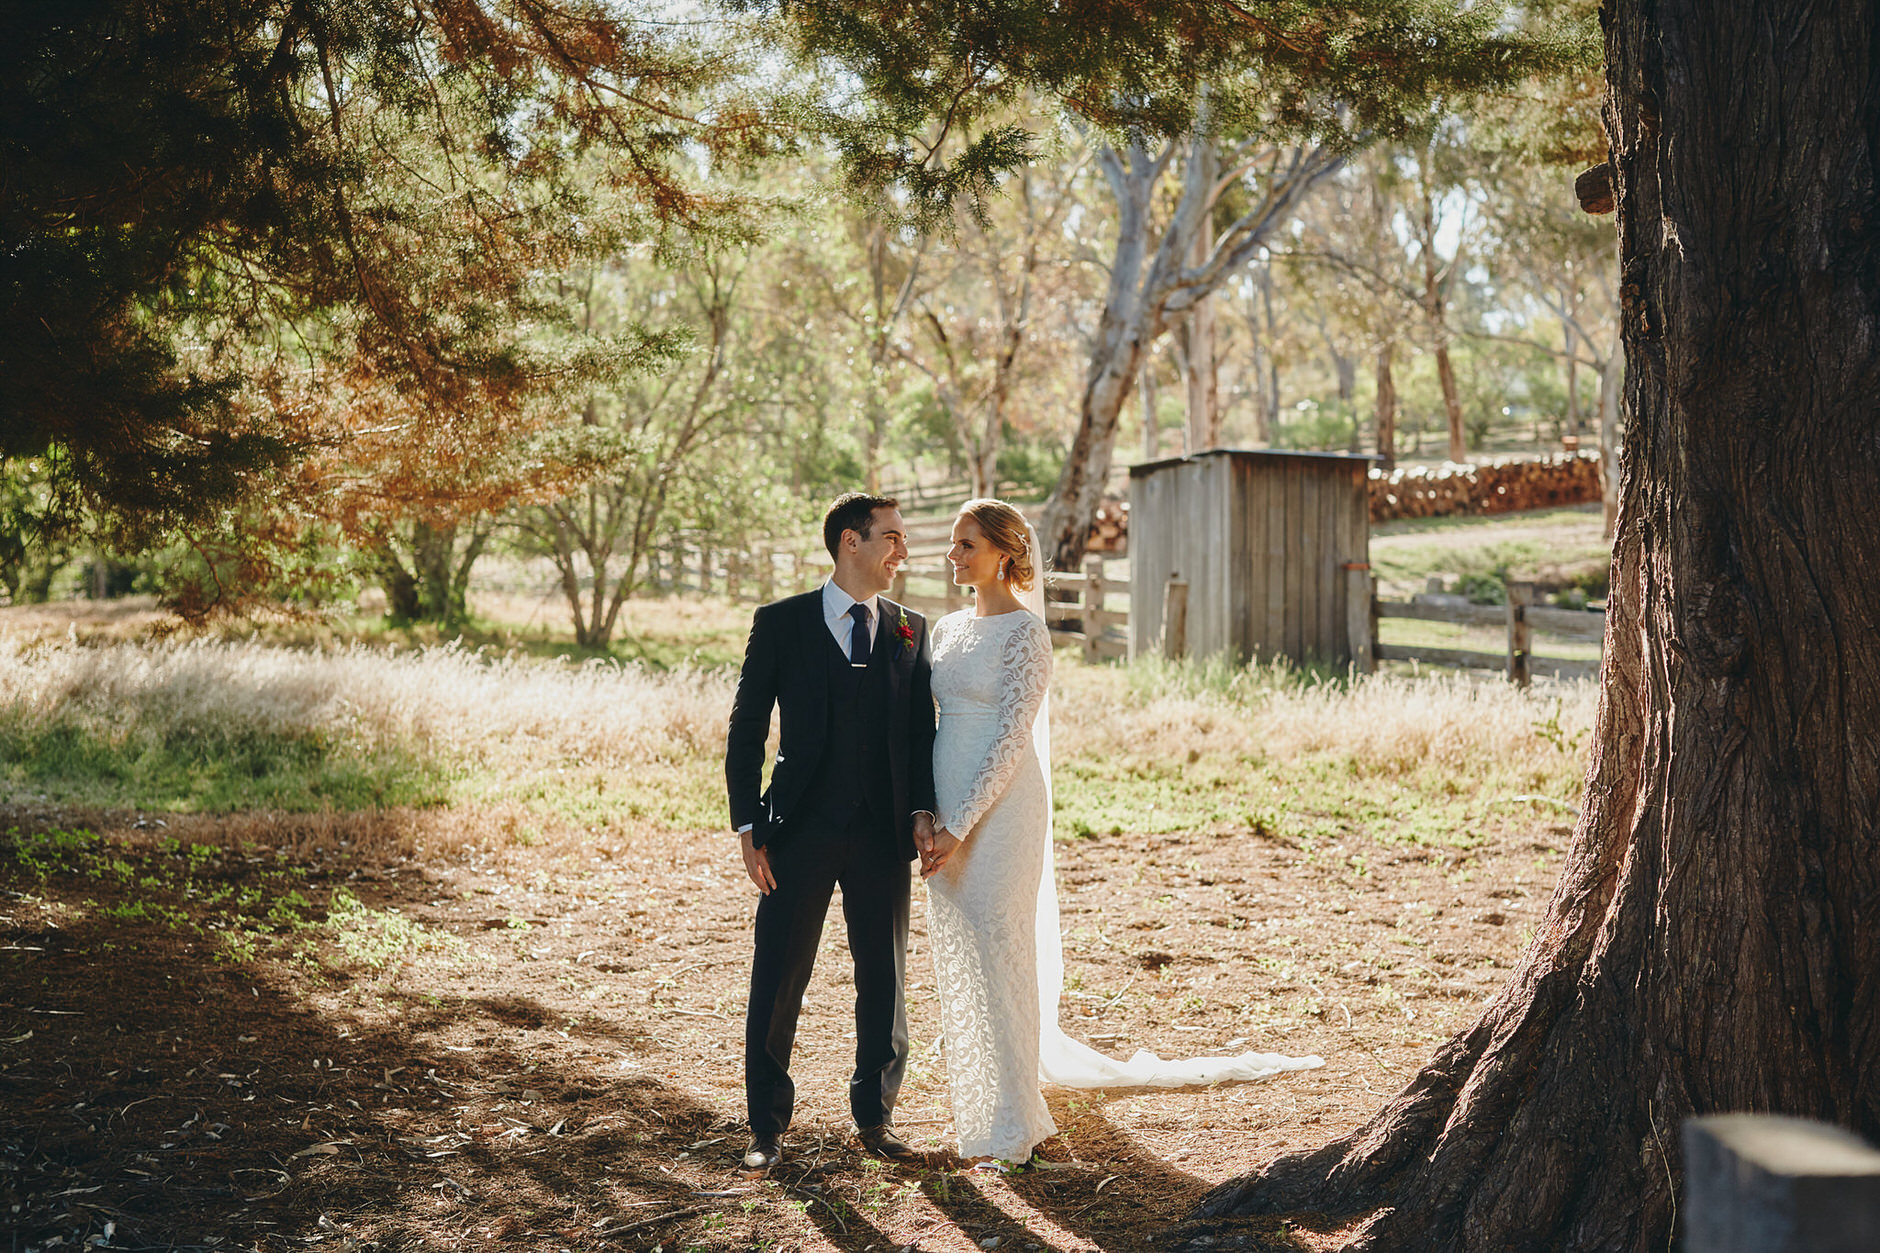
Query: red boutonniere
{"type": "Point", "coordinates": [903, 635]}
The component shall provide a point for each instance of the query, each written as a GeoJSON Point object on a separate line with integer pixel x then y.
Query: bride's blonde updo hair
{"type": "Point", "coordinates": [1004, 528]}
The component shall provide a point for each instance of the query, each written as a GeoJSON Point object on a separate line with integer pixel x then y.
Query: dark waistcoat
{"type": "Point", "coordinates": [853, 773]}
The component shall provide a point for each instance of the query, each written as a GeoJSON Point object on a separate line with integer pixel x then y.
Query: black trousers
{"type": "Point", "coordinates": [860, 855]}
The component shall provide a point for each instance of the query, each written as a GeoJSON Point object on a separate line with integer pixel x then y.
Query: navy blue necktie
{"type": "Point", "coordinates": [858, 638]}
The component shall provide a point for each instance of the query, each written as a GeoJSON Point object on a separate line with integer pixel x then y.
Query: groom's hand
{"type": "Point", "coordinates": [757, 864]}
{"type": "Point", "coordinates": [923, 834]}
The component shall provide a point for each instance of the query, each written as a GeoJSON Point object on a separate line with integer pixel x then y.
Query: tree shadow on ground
{"type": "Point", "coordinates": [1133, 1180]}
{"type": "Point", "coordinates": [160, 1098]}
{"type": "Point", "coordinates": [165, 1090]}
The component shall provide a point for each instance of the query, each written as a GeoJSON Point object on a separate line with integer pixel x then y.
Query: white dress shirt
{"type": "Point", "coordinates": [836, 617]}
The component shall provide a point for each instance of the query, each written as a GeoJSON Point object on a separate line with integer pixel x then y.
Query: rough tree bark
{"type": "Point", "coordinates": [1714, 941]}
{"type": "Point", "coordinates": [1611, 380]}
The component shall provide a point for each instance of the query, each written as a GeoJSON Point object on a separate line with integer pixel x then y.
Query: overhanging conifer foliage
{"type": "Point", "coordinates": [233, 232]}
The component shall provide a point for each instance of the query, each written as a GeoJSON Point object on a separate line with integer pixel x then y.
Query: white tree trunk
{"type": "Point", "coordinates": [1203, 386]}
{"type": "Point", "coordinates": [1147, 292]}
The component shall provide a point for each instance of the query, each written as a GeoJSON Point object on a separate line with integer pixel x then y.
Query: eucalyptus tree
{"type": "Point", "coordinates": [1561, 264]}
{"type": "Point", "coordinates": [1161, 270]}
{"type": "Point", "coordinates": [1288, 89]}
{"type": "Point", "coordinates": [986, 308]}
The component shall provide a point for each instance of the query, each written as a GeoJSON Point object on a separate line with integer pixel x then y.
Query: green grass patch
{"type": "Point", "coordinates": [1562, 545]}
{"type": "Point", "coordinates": [215, 769]}
{"type": "Point", "coordinates": [1415, 633]}
{"type": "Point", "coordinates": [252, 905]}
{"type": "Point", "coordinates": [1303, 801]}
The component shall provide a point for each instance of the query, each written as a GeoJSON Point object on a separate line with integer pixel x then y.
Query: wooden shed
{"type": "Point", "coordinates": [1274, 547]}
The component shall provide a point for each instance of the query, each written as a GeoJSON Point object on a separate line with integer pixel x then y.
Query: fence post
{"type": "Point", "coordinates": [1093, 607]}
{"type": "Point", "coordinates": [767, 575]}
{"type": "Point", "coordinates": [704, 570]}
{"type": "Point", "coordinates": [955, 598]}
{"type": "Point", "coordinates": [734, 569]}
{"type": "Point", "coordinates": [1761, 1183]}
{"type": "Point", "coordinates": [899, 591]}
{"type": "Point", "coordinates": [1520, 636]}
{"type": "Point", "coordinates": [1359, 607]}
{"type": "Point", "coordinates": [1175, 618]}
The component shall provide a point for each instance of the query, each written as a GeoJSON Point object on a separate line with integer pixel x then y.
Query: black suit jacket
{"type": "Point", "coordinates": [784, 668]}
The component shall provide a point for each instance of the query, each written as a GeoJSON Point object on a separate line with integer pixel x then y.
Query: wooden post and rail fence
{"type": "Point", "coordinates": [1080, 612]}
{"type": "Point", "coordinates": [1520, 617]}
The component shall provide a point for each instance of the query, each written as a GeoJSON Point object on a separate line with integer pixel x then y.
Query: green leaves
{"type": "Point", "coordinates": [906, 80]}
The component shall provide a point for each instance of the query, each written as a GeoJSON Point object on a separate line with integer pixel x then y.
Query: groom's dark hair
{"type": "Point", "coordinates": [852, 511]}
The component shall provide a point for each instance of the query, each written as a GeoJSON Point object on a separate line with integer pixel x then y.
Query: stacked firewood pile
{"type": "Point", "coordinates": [1110, 534]}
{"type": "Point", "coordinates": [1491, 487]}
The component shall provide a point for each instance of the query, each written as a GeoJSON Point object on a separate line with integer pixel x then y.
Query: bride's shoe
{"type": "Point", "coordinates": [999, 1166]}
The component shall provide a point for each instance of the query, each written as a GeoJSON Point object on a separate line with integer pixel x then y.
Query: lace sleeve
{"type": "Point", "coordinates": [1024, 679]}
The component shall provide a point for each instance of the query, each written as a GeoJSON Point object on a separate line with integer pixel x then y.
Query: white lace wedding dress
{"type": "Point", "coordinates": [990, 676]}
{"type": "Point", "coordinates": [992, 909]}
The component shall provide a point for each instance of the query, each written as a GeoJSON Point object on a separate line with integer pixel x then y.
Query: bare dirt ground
{"type": "Point", "coordinates": [540, 1049]}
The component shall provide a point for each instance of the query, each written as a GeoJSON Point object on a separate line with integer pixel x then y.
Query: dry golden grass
{"type": "Point", "coordinates": [446, 699]}
{"type": "Point", "coordinates": [488, 709]}
{"type": "Point", "coordinates": [441, 747]}
{"type": "Point", "coordinates": [1380, 723]}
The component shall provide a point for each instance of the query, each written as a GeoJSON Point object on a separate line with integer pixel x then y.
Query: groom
{"type": "Point", "coordinates": [848, 673]}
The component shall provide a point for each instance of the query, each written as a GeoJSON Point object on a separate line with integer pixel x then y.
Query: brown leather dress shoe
{"type": "Point", "coordinates": [765, 1151]}
{"type": "Point", "coordinates": [883, 1142]}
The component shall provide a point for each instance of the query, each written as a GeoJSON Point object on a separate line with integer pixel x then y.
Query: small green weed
{"type": "Point", "coordinates": [42, 854]}
{"type": "Point", "coordinates": [146, 911]}
{"type": "Point", "coordinates": [379, 937]}
{"type": "Point", "coordinates": [240, 945]}
{"type": "Point", "coordinates": [1549, 729]}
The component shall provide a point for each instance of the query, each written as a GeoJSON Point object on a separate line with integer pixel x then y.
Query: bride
{"type": "Point", "coordinates": [992, 900]}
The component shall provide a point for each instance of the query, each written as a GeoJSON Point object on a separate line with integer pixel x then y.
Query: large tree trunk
{"type": "Point", "coordinates": [1611, 379]}
{"type": "Point", "coordinates": [1713, 943]}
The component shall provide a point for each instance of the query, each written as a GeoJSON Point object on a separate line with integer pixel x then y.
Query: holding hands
{"type": "Point", "coordinates": [936, 844]}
